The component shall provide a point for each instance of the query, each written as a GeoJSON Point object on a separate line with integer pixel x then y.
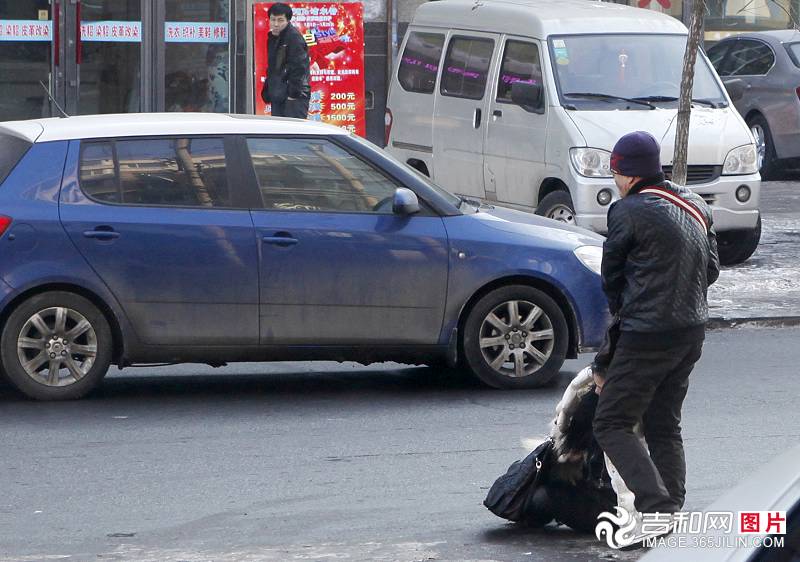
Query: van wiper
{"type": "Point", "coordinates": [708, 103]}
{"type": "Point", "coordinates": [609, 97]}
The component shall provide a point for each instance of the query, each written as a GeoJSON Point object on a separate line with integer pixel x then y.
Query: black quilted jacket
{"type": "Point", "coordinates": [657, 261]}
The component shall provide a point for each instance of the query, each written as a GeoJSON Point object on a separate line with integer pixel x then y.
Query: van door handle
{"type": "Point", "coordinates": [476, 119]}
{"type": "Point", "coordinates": [280, 239]}
{"type": "Point", "coordinates": [497, 113]}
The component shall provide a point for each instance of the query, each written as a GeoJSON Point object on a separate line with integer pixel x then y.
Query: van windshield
{"type": "Point", "coordinates": [627, 71]}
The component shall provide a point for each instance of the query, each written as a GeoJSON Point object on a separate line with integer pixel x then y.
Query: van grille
{"type": "Point", "coordinates": [697, 174]}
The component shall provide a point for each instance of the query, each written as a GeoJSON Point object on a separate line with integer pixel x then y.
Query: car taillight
{"type": "Point", "coordinates": [387, 119]}
{"type": "Point", "coordinates": [797, 91]}
{"type": "Point", "coordinates": [5, 222]}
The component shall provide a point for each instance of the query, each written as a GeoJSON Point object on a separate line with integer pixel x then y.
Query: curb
{"type": "Point", "coordinates": [755, 321]}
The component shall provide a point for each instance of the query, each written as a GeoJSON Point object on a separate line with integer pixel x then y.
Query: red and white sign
{"type": "Point", "coordinates": [193, 32]}
{"type": "Point", "coordinates": [26, 30]}
{"type": "Point", "coordinates": [112, 31]}
{"type": "Point", "coordinates": [334, 33]}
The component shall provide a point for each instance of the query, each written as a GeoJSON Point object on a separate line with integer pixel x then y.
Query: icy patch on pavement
{"type": "Point", "coordinates": [768, 284]}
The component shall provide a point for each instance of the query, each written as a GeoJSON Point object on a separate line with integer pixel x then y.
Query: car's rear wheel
{"type": "Point", "coordinates": [515, 337]}
{"type": "Point", "coordinates": [56, 346]}
{"type": "Point", "coordinates": [767, 161]}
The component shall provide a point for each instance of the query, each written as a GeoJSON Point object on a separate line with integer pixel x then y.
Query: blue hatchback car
{"type": "Point", "coordinates": [134, 239]}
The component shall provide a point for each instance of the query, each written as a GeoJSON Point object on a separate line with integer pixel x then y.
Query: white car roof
{"type": "Point", "coordinates": [147, 124]}
{"type": "Point", "coordinates": [542, 18]}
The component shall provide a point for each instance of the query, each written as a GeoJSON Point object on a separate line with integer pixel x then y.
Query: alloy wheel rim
{"type": "Point", "coordinates": [516, 338]}
{"type": "Point", "coordinates": [562, 213]}
{"type": "Point", "coordinates": [761, 144]}
{"type": "Point", "coordinates": [57, 346]}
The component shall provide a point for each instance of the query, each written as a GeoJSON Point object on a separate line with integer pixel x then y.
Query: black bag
{"type": "Point", "coordinates": [510, 494]}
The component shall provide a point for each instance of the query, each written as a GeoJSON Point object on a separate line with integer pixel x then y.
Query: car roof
{"type": "Point", "coordinates": [774, 36]}
{"type": "Point", "coordinates": [154, 124]}
{"type": "Point", "coordinates": [542, 18]}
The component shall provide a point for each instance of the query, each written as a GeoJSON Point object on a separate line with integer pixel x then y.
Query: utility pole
{"type": "Point", "coordinates": [685, 103]}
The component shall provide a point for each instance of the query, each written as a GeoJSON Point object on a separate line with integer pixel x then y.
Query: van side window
{"type": "Point", "coordinates": [419, 64]}
{"type": "Point", "coordinates": [520, 64]}
{"type": "Point", "coordinates": [466, 67]}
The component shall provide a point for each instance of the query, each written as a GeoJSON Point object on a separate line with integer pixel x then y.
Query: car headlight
{"type": "Point", "coordinates": [591, 162]}
{"type": "Point", "coordinates": [741, 160]}
{"type": "Point", "coordinates": [590, 256]}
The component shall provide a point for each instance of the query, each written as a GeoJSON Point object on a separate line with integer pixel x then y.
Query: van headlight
{"type": "Point", "coordinates": [741, 160]}
{"type": "Point", "coordinates": [591, 162]}
{"type": "Point", "coordinates": [590, 256]}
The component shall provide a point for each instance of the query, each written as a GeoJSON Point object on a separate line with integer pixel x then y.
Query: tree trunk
{"type": "Point", "coordinates": [685, 103]}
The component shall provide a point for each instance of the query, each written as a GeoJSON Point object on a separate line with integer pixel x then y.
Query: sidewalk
{"type": "Point", "coordinates": [766, 288]}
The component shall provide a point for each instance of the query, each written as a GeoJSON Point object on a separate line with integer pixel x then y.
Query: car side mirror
{"type": "Point", "coordinates": [527, 96]}
{"type": "Point", "coordinates": [735, 88]}
{"type": "Point", "coordinates": [405, 202]}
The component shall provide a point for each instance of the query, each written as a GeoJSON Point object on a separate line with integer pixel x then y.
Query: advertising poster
{"type": "Point", "coordinates": [334, 33]}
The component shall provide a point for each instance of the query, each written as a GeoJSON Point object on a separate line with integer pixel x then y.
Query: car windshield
{"type": "Point", "coordinates": [601, 72]}
{"type": "Point", "coordinates": [794, 52]}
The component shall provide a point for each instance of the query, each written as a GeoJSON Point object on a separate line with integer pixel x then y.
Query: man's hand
{"type": "Point", "coordinates": [291, 99]}
{"type": "Point", "coordinates": [599, 381]}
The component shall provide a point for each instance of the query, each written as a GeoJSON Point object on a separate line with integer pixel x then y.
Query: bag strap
{"type": "Point", "coordinates": [680, 202]}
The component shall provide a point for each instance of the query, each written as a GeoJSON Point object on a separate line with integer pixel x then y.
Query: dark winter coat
{"type": "Point", "coordinates": [288, 67]}
{"type": "Point", "coordinates": [657, 265]}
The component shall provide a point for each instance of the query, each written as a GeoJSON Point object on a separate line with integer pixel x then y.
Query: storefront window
{"type": "Point", "coordinates": [727, 17]}
{"type": "Point", "coordinates": [197, 55]}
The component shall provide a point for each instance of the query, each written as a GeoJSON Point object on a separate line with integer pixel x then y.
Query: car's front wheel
{"type": "Point", "coordinates": [736, 246]}
{"type": "Point", "coordinates": [515, 337]}
{"type": "Point", "coordinates": [56, 346]}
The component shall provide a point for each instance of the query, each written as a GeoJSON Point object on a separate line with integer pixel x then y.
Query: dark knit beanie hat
{"type": "Point", "coordinates": [636, 155]}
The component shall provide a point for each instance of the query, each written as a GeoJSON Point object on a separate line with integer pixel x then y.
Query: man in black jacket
{"type": "Point", "coordinates": [286, 86]}
{"type": "Point", "coordinates": [659, 258]}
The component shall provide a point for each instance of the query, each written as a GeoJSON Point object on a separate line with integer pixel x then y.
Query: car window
{"type": "Point", "coordinates": [12, 149]}
{"type": "Point", "coordinates": [748, 58]}
{"type": "Point", "coordinates": [520, 64]}
{"type": "Point", "coordinates": [419, 64]}
{"type": "Point", "coordinates": [466, 67]}
{"type": "Point", "coordinates": [794, 53]}
{"type": "Point", "coordinates": [317, 175]}
{"type": "Point", "coordinates": [179, 172]}
{"type": "Point", "coordinates": [716, 53]}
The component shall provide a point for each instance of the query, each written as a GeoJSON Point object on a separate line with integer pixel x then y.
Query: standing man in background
{"type": "Point", "coordinates": [287, 84]}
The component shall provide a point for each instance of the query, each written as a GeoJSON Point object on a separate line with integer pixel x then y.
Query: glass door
{"type": "Point", "coordinates": [193, 68]}
{"type": "Point", "coordinates": [26, 58]}
{"type": "Point", "coordinates": [105, 62]}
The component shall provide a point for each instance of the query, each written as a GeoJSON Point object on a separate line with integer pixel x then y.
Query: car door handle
{"type": "Point", "coordinates": [476, 119]}
{"type": "Point", "coordinates": [497, 113]}
{"type": "Point", "coordinates": [279, 240]}
{"type": "Point", "coordinates": [101, 234]}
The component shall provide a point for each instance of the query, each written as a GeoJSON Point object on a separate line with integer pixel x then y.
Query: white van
{"type": "Point", "coordinates": [519, 103]}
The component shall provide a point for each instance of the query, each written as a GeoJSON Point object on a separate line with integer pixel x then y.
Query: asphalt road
{"type": "Point", "coordinates": [337, 462]}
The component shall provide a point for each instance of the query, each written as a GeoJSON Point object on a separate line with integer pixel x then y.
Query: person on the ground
{"type": "Point", "coordinates": [659, 258]}
{"type": "Point", "coordinates": [287, 84]}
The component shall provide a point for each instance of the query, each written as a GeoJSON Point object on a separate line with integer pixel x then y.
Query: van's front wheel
{"type": "Point", "coordinates": [736, 246]}
{"type": "Point", "coordinates": [557, 206]}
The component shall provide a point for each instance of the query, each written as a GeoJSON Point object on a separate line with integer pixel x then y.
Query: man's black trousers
{"type": "Point", "coordinates": [647, 386]}
{"type": "Point", "coordinates": [297, 108]}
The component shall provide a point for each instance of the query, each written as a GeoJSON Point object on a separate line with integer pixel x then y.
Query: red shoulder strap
{"type": "Point", "coordinates": [680, 202]}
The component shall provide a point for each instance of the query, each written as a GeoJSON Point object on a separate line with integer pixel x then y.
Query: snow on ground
{"type": "Point", "coordinates": [768, 284]}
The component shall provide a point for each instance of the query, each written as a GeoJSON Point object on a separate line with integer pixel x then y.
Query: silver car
{"type": "Point", "coordinates": [761, 71]}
